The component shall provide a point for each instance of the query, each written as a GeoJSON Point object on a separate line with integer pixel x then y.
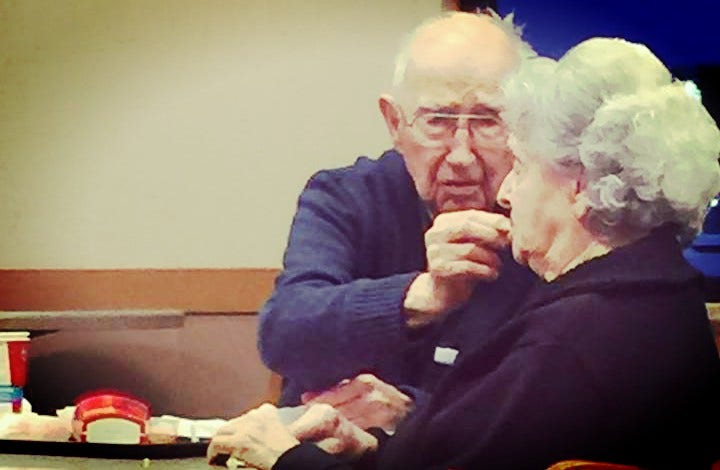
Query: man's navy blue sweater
{"type": "Point", "coordinates": [355, 246]}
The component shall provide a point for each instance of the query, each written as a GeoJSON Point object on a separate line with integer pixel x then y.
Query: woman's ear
{"type": "Point", "coordinates": [581, 203]}
{"type": "Point", "coordinates": [391, 113]}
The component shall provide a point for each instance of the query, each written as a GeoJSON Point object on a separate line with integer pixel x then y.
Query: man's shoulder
{"type": "Point", "coordinates": [383, 181]}
{"type": "Point", "coordinates": [389, 165]}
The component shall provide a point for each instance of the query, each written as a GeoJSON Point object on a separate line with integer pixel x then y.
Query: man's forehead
{"type": "Point", "coordinates": [481, 51]}
{"type": "Point", "coordinates": [459, 61]}
{"type": "Point", "coordinates": [454, 95]}
{"type": "Point", "coordinates": [458, 86]}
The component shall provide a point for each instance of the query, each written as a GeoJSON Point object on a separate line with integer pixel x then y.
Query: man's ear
{"type": "Point", "coordinates": [391, 113]}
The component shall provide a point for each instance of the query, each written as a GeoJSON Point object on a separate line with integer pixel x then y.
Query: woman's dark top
{"type": "Point", "coordinates": [613, 361]}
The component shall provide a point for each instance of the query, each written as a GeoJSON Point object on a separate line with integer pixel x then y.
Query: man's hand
{"type": "Point", "coordinates": [332, 432]}
{"type": "Point", "coordinates": [257, 438]}
{"type": "Point", "coordinates": [366, 401]}
{"type": "Point", "coordinates": [462, 245]}
{"type": "Point", "coordinates": [460, 248]}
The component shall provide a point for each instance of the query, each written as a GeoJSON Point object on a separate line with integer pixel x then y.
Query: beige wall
{"type": "Point", "coordinates": [178, 133]}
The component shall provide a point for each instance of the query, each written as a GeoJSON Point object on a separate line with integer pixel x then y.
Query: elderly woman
{"type": "Point", "coordinates": [611, 357]}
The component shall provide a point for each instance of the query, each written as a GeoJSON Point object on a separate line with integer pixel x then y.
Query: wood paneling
{"type": "Point", "coordinates": [190, 290]}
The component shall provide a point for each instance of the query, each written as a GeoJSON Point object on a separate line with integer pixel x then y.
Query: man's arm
{"type": "Point", "coordinates": [323, 323]}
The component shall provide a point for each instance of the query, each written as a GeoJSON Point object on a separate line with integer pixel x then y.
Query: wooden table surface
{"type": "Point", "coordinates": [41, 462]}
{"type": "Point", "coordinates": [91, 320]}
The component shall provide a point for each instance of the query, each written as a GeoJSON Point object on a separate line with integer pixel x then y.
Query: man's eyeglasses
{"type": "Point", "coordinates": [442, 127]}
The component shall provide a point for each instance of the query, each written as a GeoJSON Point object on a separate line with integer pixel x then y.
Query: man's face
{"type": "Point", "coordinates": [455, 67]}
{"type": "Point", "coordinates": [455, 147]}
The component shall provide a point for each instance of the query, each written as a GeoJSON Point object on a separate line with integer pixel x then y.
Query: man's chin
{"type": "Point", "coordinates": [455, 204]}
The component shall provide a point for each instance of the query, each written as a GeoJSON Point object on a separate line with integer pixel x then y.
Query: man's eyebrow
{"type": "Point", "coordinates": [440, 109]}
{"type": "Point", "coordinates": [477, 109]}
{"type": "Point", "coordinates": [484, 109]}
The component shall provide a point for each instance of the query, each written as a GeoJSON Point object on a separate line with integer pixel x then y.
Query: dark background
{"type": "Point", "coordinates": [684, 35]}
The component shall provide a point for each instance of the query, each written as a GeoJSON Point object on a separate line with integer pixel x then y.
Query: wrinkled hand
{"type": "Point", "coordinates": [462, 245]}
{"type": "Point", "coordinates": [332, 432]}
{"type": "Point", "coordinates": [461, 250]}
{"type": "Point", "coordinates": [257, 438]}
{"type": "Point", "coordinates": [365, 401]}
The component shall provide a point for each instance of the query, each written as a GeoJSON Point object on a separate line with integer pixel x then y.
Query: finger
{"type": "Point", "coordinates": [344, 392]}
{"type": "Point", "coordinates": [373, 383]}
{"type": "Point", "coordinates": [356, 411]}
{"type": "Point", "coordinates": [440, 255]}
{"type": "Point", "coordinates": [367, 440]}
{"type": "Point", "coordinates": [495, 220]}
{"type": "Point", "coordinates": [480, 236]}
{"type": "Point", "coordinates": [383, 389]}
{"type": "Point", "coordinates": [485, 226]}
{"type": "Point", "coordinates": [331, 445]}
{"type": "Point", "coordinates": [463, 269]}
{"type": "Point", "coordinates": [367, 420]}
{"type": "Point", "coordinates": [467, 262]}
{"type": "Point", "coordinates": [265, 411]}
{"type": "Point", "coordinates": [494, 240]}
{"type": "Point", "coordinates": [318, 422]}
{"type": "Point", "coordinates": [372, 414]}
{"type": "Point", "coordinates": [222, 445]}
{"type": "Point", "coordinates": [462, 230]}
{"type": "Point", "coordinates": [356, 442]}
{"type": "Point", "coordinates": [231, 426]}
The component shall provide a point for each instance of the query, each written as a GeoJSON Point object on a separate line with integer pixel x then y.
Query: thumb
{"type": "Point", "coordinates": [331, 445]}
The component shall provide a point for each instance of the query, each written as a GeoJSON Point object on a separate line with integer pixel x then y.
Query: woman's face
{"type": "Point", "coordinates": [540, 200]}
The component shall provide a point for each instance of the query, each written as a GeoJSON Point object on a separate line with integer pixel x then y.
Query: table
{"type": "Point", "coordinates": [41, 462]}
{"type": "Point", "coordinates": [91, 320]}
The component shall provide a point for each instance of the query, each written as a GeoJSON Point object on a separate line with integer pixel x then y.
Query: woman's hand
{"type": "Point", "coordinates": [366, 401]}
{"type": "Point", "coordinates": [332, 432]}
{"type": "Point", "coordinates": [258, 438]}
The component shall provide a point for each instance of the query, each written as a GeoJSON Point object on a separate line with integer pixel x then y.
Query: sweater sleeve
{"type": "Point", "coordinates": [323, 322]}
{"type": "Point", "coordinates": [307, 456]}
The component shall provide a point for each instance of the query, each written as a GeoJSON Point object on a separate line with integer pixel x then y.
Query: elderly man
{"type": "Point", "coordinates": [383, 255]}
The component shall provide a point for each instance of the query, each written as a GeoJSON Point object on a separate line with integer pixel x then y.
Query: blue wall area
{"type": "Point", "coordinates": [685, 34]}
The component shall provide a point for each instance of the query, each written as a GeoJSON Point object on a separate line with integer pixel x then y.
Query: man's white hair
{"type": "Point", "coordinates": [506, 24]}
{"type": "Point", "coordinates": [645, 148]}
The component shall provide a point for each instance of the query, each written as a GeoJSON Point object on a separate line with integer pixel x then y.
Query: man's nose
{"type": "Point", "coordinates": [461, 152]}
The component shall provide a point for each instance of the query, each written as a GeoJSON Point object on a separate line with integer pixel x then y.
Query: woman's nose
{"type": "Point", "coordinates": [503, 196]}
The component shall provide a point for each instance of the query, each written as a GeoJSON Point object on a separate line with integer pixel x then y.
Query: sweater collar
{"type": "Point", "coordinates": [651, 262]}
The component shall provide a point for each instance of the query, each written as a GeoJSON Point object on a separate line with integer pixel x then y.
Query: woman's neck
{"type": "Point", "coordinates": [569, 250]}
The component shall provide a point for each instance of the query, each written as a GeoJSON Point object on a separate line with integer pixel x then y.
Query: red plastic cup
{"type": "Point", "coordinates": [14, 348]}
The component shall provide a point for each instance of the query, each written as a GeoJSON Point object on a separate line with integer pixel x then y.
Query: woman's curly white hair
{"type": "Point", "coordinates": [643, 146]}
